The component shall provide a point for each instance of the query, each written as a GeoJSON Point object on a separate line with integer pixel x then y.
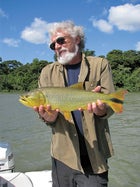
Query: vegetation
{"type": "Point", "coordinates": [14, 76]}
{"type": "Point", "coordinates": [125, 69]}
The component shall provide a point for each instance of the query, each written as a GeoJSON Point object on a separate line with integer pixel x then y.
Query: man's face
{"type": "Point", "coordinates": [65, 47]}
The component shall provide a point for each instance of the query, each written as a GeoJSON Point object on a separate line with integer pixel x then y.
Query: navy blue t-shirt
{"type": "Point", "coordinates": [73, 74]}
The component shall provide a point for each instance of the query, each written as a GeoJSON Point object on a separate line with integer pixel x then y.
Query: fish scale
{"type": "Point", "coordinates": [70, 99]}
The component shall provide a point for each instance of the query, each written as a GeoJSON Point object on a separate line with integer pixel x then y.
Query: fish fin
{"type": "Point", "coordinates": [79, 85]}
{"type": "Point", "coordinates": [83, 107]}
{"type": "Point", "coordinates": [116, 100]}
{"type": "Point", "coordinates": [67, 115]}
{"type": "Point", "coordinates": [119, 94]}
{"type": "Point", "coordinates": [117, 107]}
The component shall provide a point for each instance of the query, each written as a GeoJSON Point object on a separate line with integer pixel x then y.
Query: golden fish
{"type": "Point", "coordinates": [71, 98]}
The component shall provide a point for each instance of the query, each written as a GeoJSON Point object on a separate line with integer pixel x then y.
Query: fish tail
{"type": "Point", "coordinates": [116, 100]}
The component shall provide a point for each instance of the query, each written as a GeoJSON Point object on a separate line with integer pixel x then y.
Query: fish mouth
{"type": "Point", "coordinates": [23, 100]}
{"type": "Point", "coordinates": [24, 97]}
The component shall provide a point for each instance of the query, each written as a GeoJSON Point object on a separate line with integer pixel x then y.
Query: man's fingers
{"type": "Point", "coordinates": [97, 89]}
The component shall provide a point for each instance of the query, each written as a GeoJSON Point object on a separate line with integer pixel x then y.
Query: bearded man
{"type": "Point", "coordinates": [81, 146]}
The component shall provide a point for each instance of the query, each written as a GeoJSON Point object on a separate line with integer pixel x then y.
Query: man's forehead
{"type": "Point", "coordinates": [59, 34]}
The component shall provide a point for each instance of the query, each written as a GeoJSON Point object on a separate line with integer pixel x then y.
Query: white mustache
{"type": "Point", "coordinates": [62, 49]}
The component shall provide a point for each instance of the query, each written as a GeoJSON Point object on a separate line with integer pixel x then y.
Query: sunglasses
{"type": "Point", "coordinates": [60, 41]}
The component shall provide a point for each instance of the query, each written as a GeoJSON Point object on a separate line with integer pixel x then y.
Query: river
{"type": "Point", "coordinates": [30, 139]}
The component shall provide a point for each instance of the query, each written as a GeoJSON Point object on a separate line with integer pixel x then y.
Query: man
{"type": "Point", "coordinates": [81, 146]}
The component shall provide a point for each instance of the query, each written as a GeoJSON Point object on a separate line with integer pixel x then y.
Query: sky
{"type": "Point", "coordinates": [108, 25]}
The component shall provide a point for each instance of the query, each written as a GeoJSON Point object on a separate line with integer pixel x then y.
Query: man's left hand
{"type": "Point", "coordinates": [99, 108]}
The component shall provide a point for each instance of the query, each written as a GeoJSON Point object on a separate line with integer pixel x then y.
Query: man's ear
{"type": "Point", "coordinates": [77, 40]}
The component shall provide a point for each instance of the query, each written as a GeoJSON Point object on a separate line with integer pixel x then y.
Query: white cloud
{"type": "Point", "coordinates": [138, 46]}
{"type": "Point", "coordinates": [2, 13]}
{"type": "Point", "coordinates": [103, 25]}
{"type": "Point", "coordinates": [125, 17]}
{"type": "Point", "coordinates": [36, 33]}
{"type": "Point", "coordinates": [11, 42]}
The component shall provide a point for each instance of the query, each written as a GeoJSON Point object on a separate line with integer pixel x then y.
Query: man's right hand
{"type": "Point", "coordinates": [46, 113]}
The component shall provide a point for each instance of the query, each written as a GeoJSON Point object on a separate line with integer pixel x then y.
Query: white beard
{"type": "Point", "coordinates": [68, 56]}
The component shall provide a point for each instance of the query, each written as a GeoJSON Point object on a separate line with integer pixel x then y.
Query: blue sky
{"type": "Point", "coordinates": [108, 24]}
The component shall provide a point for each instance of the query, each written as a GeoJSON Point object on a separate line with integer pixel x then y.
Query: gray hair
{"type": "Point", "coordinates": [70, 28]}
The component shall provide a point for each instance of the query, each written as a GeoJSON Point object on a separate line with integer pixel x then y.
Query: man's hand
{"type": "Point", "coordinates": [98, 108]}
{"type": "Point", "coordinates": [46, 113]}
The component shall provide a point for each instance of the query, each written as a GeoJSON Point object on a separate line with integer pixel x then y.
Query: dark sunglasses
{"type": "Point", "coordinates": [60, 41]}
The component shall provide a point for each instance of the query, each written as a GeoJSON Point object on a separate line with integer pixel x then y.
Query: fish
{"type": "Point", "coordinates": [71, 98]}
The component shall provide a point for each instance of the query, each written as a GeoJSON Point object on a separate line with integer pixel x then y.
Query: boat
{"type": "Point", "coordinates": [9, 178]}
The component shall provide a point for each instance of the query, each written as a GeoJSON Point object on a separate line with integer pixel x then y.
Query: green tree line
{"type": "Point", "coordinates": [15, 76]}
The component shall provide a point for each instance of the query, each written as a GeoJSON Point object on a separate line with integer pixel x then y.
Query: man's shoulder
{"type": "Point", "coordinates": [95, 58]}
{"type": "Point", "coordinates": [96, 62]}
{"type": "Point", "coordinates": [52, 65]}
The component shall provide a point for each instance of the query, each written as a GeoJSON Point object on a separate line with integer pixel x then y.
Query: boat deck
{"type": "Point", "coordinates": [28, 179]}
